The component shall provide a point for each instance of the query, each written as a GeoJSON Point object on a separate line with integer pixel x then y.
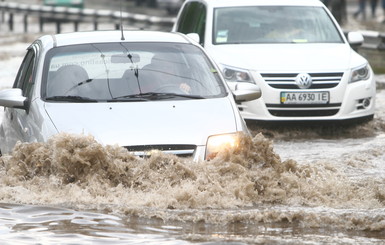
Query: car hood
{"type": "Point", "coordinates": [285, 57]}
{"type": "Point", "coordinates": [146, 123]}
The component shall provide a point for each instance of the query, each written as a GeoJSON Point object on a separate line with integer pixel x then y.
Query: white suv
{"type": "Point", "coordinates": [294, 50]}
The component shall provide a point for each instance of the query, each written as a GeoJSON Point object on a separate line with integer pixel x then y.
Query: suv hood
{"type": "Point", "coordinates": [285, 57]}
{"type": "Point", "coordinates": [146, 123]}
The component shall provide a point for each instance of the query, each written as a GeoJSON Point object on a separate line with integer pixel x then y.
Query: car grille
{"type": "Point", "coordinates": [323, 80]}
{"type": "Point", "coordinates": [287, 80]}
{"type": "Point", "coordinates": [310, 110]}
{"type": "Point", "coordinates": [179, 150]}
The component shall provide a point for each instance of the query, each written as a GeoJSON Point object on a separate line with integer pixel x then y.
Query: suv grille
{"type": "Point", "coordinates": [179, 150]}
{"type": "Point", "coordinates": [287, 80]}
{"type": "Point", "coordinates": [324, 80]}
{"type": "Point", "coordinates": [310, 110]}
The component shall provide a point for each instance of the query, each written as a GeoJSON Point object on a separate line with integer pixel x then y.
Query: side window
{"type": "Point", "coordinates": [193, 20]}
{"type": "Point", "coordinates": [24, 78]}
{"type": "Point", "coordinates": [201, 23]}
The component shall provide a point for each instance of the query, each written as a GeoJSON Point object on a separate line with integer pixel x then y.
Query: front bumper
{"type": "Point", "coordinates": [347, 101]}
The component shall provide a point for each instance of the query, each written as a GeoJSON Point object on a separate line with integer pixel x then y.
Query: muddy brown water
{"type": "Point", "coordinates": [273, 191]}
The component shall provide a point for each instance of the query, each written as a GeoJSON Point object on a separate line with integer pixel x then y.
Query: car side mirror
{"type": "Point", "coordinates": [245, 91]}
{"type": "Point", "coordinates": [12, 98]}
{"type": "Point", "coordinates": [355, 39]}
{"type": "Point", "coordinates": [194, 37]}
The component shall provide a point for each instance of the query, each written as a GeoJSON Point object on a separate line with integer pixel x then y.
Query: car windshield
{"type": "Point", "coordinates": [129, 72]}
{"type": "Point", "coordinates": [273, 24]}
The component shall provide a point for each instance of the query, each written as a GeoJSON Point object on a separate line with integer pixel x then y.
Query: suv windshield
{"type": "Point", "coordinates": [273, 24]}
{"type": "Point", "coordinates": [129, 72]}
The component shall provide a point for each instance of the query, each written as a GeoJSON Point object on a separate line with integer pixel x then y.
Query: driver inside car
{"type": "Point", "coordinates": [167, 73]}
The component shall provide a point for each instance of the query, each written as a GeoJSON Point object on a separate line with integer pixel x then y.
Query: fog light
{"type": "Point", "coordinates": [366, 102]}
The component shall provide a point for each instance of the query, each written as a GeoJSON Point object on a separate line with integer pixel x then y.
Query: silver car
{"type": "Point", "coordinates": [141, 90]}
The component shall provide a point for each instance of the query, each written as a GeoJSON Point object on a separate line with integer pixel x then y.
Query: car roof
{"type": "Point", "coordinates": [231, 3]}
{"type": "Point", "coordinates": [74, 38]}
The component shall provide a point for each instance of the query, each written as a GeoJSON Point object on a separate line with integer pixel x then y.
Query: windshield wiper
{"type": "Point", "coordinates": [174, 95]}
{"type": "Point", "coordinates": [156, 96]}
{"type": "Point", "coordinates": [70, 98]}
{"type": "Point", "coordinates": [128, 97]}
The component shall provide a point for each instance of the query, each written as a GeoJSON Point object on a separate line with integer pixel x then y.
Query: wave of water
{"type": "Point", "coordinates": [252, 185]}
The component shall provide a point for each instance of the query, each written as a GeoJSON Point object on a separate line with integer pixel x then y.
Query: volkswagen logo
{"type": "Point", "coordinates": [303, 80]}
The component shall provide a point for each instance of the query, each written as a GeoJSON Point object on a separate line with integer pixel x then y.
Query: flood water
{"type": "Point", "coordinates": [297, 184]}
{"type": "Point", "coordinates": [290, 190]}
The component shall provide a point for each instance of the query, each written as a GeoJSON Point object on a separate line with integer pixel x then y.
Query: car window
{"type": "Point", "coordinates": [273, 24]}
{"type": "Point", "coordinates": [193, 20]}
{"type": "Point", "coordinates": [105, 72]}
{"type": "Point", "coordinates": [24, 78]}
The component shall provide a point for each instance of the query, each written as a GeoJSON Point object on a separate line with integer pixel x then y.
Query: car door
{"type": "Point", "coordinates": [16, 124]}
{"type": "Point", "coordinates": [192, 19]}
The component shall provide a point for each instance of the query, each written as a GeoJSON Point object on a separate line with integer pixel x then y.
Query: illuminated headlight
{"type": "Point", "coordinates": [236, 75]}
{"type": "Point", "coordinates": [361, 73]}
{"type": "Point", "coordinates": [217, 143]}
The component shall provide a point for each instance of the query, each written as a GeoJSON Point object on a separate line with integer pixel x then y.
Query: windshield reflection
{"type": "Point", "coordinates": [129, 72]}
{"type": "Point", "coordinates": [273, 24]}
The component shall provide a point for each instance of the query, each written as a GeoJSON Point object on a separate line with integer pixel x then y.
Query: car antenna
{"type": "Point", "coordinates": [121, 21]}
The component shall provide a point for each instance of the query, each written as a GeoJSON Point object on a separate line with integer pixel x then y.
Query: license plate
{"type": "Point", "coordinates": [304, 97]}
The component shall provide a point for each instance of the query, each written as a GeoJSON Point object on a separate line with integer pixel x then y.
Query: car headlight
{"type": "Point", "coordinates": [360, 73]}
{"type": "Point", "coordinates": [232, 74]}
{"type": "Point", "coordinates": [217, 143]}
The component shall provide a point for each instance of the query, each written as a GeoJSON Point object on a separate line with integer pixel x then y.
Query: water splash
{"type": "Point", "coordinates": [76, 171]}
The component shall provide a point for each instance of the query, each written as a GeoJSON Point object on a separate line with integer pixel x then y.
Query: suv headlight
{"type": "Point", "coordinates": [232, 74]}
{"type": "Point", "coordinates": [360, 73]}
{"type": "Point", "coordinates": [217, 143]}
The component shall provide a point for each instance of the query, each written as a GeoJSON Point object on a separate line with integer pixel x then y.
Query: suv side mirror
{"type": "Point", "coordinates": [194, 37]}
{"type": "Point", "coordinates": [355, 38]}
